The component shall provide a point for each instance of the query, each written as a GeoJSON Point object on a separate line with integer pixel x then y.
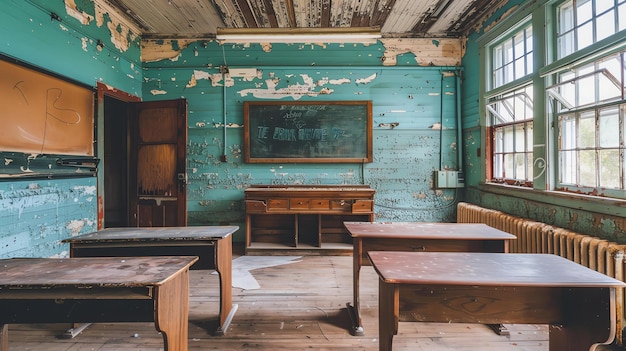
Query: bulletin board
{"type": "Point", "coordinates": [308, 132]}
{"type": "Point", "coordinates": [44, 114]}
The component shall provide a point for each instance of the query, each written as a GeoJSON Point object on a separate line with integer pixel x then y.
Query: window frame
{"type": "Point", "coordinates": [590, 55]}
{"type": "Point", "coordinates": [494, 91]}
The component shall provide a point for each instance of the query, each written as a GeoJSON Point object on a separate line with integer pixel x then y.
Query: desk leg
{"type": "Point", "coordinates": [589, 320]}
{"type": "Point", "coordinates": [224, 269]}
{"type": "Point", "coordinates": [388, 314]}
{"type": "Point", "coordinates": [76, 329]}
{"type": "Point", "coordinates": [4, 337]}
{"type": "Point", "coordinates": [354, 310]}
{"type": "Point", "coordinates": [171, 316]}
{"type": "Point", "coordinates": [500, 329]}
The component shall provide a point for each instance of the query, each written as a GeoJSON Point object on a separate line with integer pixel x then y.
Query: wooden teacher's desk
{"type": "Point", "coordinates": [418, 236]}
{"type": "Point", "coordinates": [102, 289]}
{"type": "Point", "coordinates": [452, 287]}
{"type": "Point", "coordinates": [211, 244]}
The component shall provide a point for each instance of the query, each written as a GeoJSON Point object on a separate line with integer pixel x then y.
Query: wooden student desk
{"type": "Point", "coordinates": [418, 236]}
{"type": "Point", "coordinates": [211, 244]}
{"type": "Point", "coordinates": [452, 287]}
{"type": "Point", "coordinates": [103, 289]}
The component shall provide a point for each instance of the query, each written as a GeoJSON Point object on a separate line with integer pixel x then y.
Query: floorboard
{"type": "Point", "coordinates": [300, 306]}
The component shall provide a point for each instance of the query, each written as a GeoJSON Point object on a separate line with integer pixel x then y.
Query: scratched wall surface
{"type": "Point", "coordinates": [37, 214]}
{"type": "Point", "coordinates": [84, 44]}
{"type": "Point", "coordinates": [577, 214]}
{"type": "Point", "coordinates": [414, 119]}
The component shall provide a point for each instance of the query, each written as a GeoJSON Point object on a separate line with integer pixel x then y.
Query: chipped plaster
{"type": "Point", "coordinates": [72, 10]}
{"type": "Point", "coordinates": [428, 52]}
{"type": "Point", "coordinates": [157, 50]}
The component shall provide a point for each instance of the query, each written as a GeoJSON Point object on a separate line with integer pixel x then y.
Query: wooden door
{"type": "Point", "coordinates": [158, 153]}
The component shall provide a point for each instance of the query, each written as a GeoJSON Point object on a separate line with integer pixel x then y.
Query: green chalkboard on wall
{"type": "Point", "coordinates": [308, 132]}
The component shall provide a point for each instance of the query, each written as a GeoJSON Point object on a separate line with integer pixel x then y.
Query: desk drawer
{"type": "Point", "coordinates": [299, 204]}
{"type": "Point", "coordinates": [341, 205]}
{"type": "Point", "coordinates": [277, 204]}
{"type": "Point", "coordinates": [255, 206]}
{"type": "Point", "coordinates": [362, 206]}
{"type": "Point", "coordinates": [320, 204]}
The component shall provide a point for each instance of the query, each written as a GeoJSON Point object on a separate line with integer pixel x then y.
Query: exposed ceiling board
{"type": "Point", "coordinates": [395, 18]}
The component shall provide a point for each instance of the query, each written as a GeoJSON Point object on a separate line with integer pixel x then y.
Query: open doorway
{"type": "Point", "coordinates": [143, 147]}
{"type": "Point", "coordinates": [115, 164]}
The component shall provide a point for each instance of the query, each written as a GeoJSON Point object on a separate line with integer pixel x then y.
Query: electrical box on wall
{"type": "Point", "coordinates": [448, 179]}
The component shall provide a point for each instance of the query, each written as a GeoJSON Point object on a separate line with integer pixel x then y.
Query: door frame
{"type": "Point", "coordinates": [103, 90]}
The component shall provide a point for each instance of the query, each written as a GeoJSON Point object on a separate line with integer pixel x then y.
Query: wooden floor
{"type": "Point", "coordinates": [300, 306]}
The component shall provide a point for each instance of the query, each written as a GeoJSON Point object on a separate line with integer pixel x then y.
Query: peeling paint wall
{"type": "Point", "coordinates": [37, 214]}
{"type": "Point", "coordinates": [414, 117]}
{"type": "Point", "coordinates": [85, 45]}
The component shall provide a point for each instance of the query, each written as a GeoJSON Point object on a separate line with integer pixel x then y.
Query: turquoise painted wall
{"type": "Point", "coordinates": [596, 217]}
{"type": "Point", "coordinates": [416, 99]}
{"type": "Point", "coordinates": [83, 43]}
{"type": "Point", "coordinates": [35, 214]}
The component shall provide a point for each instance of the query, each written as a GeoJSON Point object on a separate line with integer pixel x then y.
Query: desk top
{"type": "Point", "coordinates": [104, 272]}
{"type": "Point", "coordinates": [139, 234]}
{"type": "Point", "coordinates": [485, 269]}
{"type": "Point", "coordinates": [426, 230]}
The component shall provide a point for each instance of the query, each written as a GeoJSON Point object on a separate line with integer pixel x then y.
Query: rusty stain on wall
{"type": "Point", "coordinates": [428, 52]}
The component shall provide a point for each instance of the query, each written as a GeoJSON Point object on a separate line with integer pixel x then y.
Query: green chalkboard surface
{"type": "Point", "coordinates": [308, 132]}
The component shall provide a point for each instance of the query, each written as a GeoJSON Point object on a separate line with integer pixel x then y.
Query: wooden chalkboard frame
{"type": "Point", "coordinates": [308, 131]}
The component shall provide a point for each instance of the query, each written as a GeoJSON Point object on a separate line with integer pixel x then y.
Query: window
{"type": "Point", "coordinates": [510, 111]}
{"type": "Point", "coordinates": [582, 23]}
{"type": "Point", "coordinates": [512, 134]}
{"type": "Point", "coordinates": [566, 75]}
{"type": "Point", "coordinates": [590, 107]}
{"type": "Point", "coordinates": [588, 100]}
{"type": "Point", "coordinates": [513, 58]}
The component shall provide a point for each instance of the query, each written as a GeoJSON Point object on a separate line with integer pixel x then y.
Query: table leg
{"type": "Point", "coordinates": [388, 314]}
{"type": "Point", "coordinates": [76, 329]}
{"type": "Point", "coordinates": [224, 269]}
{"type": "Point", "coordinates": [354, 310]}
{"type": "Point", "coordinates": [4, 337]}
{"type": "Point", "coordinates": [171, 316]}
{"type": "Point", "coordinates": [589, 320]}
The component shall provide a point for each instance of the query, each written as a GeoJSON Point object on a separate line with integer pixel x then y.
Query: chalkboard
{"type": "Point", "coordinates": [44, 114]}
{"type": "Point", "coordinates": [308, 132]}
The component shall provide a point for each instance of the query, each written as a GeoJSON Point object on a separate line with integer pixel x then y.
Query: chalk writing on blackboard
{"type": "Point", "coordinates": [44, 114]}
{"type": "Point", "coordinates": [308, 132]}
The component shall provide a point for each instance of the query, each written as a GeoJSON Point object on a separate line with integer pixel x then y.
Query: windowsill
{"type": "Point", "coordinates": [596, 204]}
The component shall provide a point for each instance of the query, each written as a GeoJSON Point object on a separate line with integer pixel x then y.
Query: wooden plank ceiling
{"type": "Point", "coordinates": [395, 18]}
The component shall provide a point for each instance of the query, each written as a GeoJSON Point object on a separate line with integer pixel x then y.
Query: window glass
{"type": "Point", "coordinates": [512, 58]}
{"type": "Point", "coordinates": [582, 23]}
{"type": "Point", "coordinates": [511, 117]}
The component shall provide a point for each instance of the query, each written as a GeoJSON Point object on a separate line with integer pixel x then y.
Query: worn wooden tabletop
{"type": "Point", "coordinates": [38, 273]}
{"type": "Point", "coordinates": [485, 269]}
